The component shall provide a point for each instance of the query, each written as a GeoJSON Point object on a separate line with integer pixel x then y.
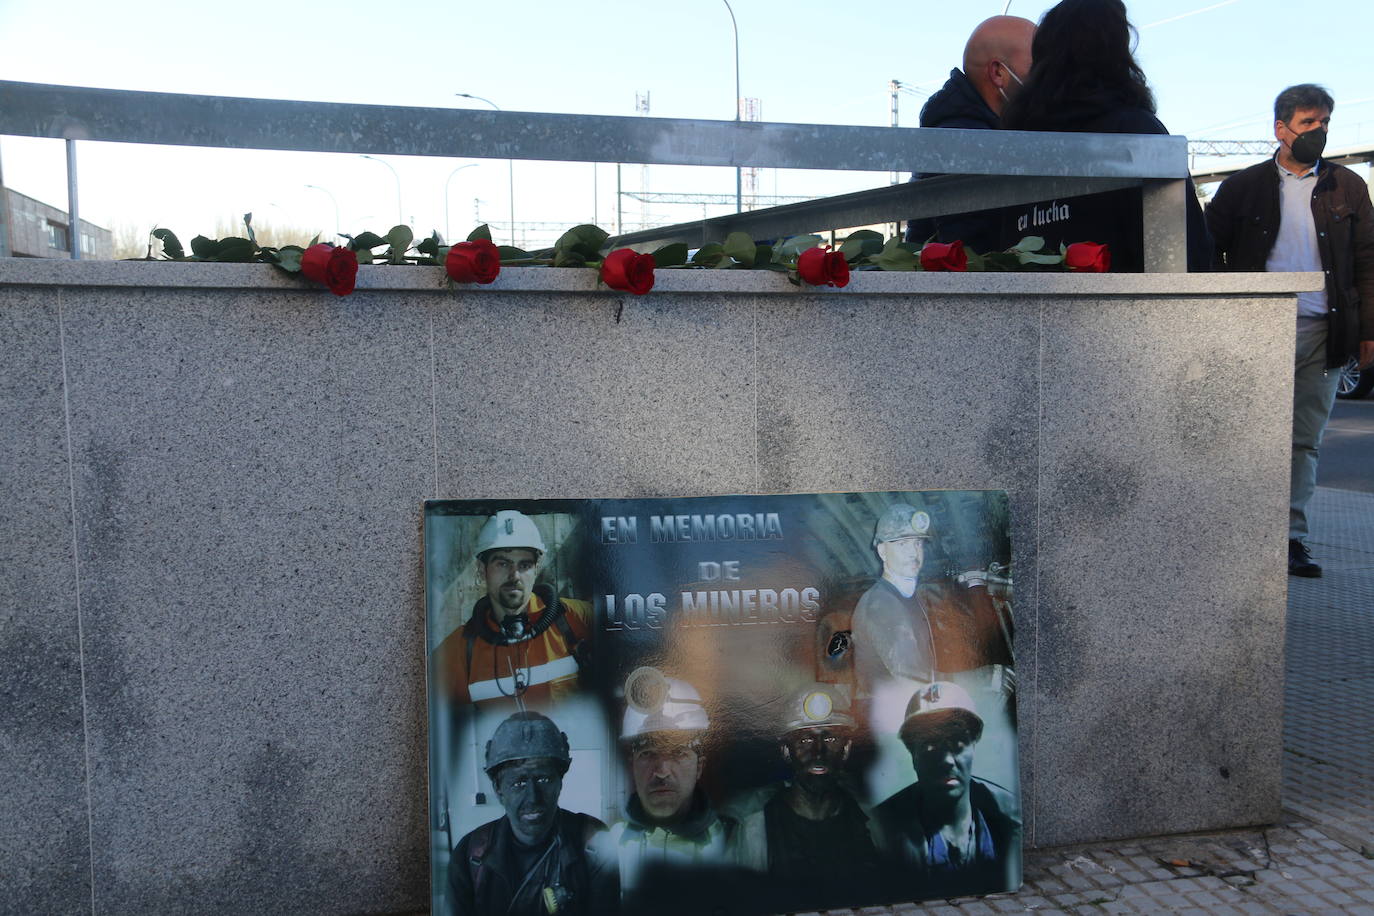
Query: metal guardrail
{"type": "Point", "coordinates": [1016, 167]}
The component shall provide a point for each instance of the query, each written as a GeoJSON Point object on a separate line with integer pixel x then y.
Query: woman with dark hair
{"type": "Point", "coordinates": [1085, 79]}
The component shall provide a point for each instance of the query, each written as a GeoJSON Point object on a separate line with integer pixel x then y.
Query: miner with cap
{"type": "Point", "coordinates": [534, 861]}
{"type": "Point", "coordinates": [522, 640]}
{"type": "Point", "coordinates": [812, 836]}
{"type": "Point", "coordinates": [891, 628]}
{"type": "Point", "coordinates": [671, 835]}
{"type": "Point", "coordinates": [954, 833]}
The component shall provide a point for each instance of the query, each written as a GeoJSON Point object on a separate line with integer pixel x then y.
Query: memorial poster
{"type": "Point", "coordinates": [733, 704]}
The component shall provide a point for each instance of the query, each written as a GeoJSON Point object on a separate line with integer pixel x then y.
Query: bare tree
{"type": "Point", "coordinates": [132, 240]}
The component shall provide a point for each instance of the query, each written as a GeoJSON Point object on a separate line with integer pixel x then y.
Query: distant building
{"type": "Point", "coordinates": [37, 230]}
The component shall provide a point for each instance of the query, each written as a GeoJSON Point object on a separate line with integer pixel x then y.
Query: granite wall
{"type": "Point", "coordinates": [211, 617]}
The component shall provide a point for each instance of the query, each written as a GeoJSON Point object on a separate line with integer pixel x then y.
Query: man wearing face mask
{"type": "Point", "coordinates": [1298, 212]}
{"type": "Point", "coordinates": [996, 60]}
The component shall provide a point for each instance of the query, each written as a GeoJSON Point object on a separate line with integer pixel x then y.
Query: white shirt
{"type": "Point", "coordinates": [1295, 248]}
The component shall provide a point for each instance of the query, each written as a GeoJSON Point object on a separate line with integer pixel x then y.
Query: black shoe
{"type": "Point", "coordinates": [1300, 561]}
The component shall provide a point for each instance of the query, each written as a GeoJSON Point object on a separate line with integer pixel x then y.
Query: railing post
{"type": "Point", "coordinates": [73, 214]}
{"type": "Point", "coordinates": [1165, 213]}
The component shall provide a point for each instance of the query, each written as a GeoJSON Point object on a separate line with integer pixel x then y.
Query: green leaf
{"type": "Point", "coordinates": [314, 241]}
{"type": "Point", "coordinates": [1027, 258]}
{"type": "Point", "coordinates": [511, 253]}
{"type": "Point", "coordinates": [204, 248]}
{"type": "Point", "coordinates": [429, 246]}
{"type": "Point", "coordinates": [1028, 244]}
{"type": "Point", "coordinates": [234, 248]}
{"type": "Point", "coordinates": [763, 255]}
{"type": "Point", "coordinates": [579, 245]}
{"type": "Point", "coordinates": [171, 245]}
{"type": "Point", "coordinates": [400, 238]}
{"type": "Point", "coordinates": [895, 256]}
{"type": "Point", "coordinates": [248, 223]}
{"type": "Point", "coordinates": [1000, 261]}
{"type": "Point", "coordinates": [863, 243]}
{"type": "Point", "coordinates": [709, 255]}
{"type": "Point", "coordinates": [740, 246]}
{"type": "Point", "coordinates": [671, 255]}
{"type": "Point", "coordinates": [976, 261]}
{"type": "Point", "coordinates": [791, 248]}
{"type": "Point", "coordinates": [364, 255]}
{"type": "Point", "coordinates": [289, 257]}
{"type": "Point", "coordinates": [481, 232]}
{"type": "Point", "coordinates": [365, 241]}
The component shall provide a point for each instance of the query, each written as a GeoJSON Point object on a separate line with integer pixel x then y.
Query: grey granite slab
{"type": "Point", "coordinates": [248, 494]}
{"type": "Point", "coordinates": [909, 393]}
{"type": "Point", "coordinates": [564, 396]}
{"type": "Point", "coordinates": [1162, 583]}
{"type": "Point", "coordinates": [250, 455]}
{"type": "Point", "coordinates": [44, 842]}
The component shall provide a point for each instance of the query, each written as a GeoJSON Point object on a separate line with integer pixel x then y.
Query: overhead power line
{"type": "Point", "coordinates": [1230, 147]}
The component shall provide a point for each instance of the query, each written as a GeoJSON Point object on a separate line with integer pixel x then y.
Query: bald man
{"type": "Point", "coordinates": [996, 61]}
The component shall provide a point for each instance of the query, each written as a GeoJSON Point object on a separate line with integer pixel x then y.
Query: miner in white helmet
{"type": "Point", "coordinates": [955, 834]}
{"type": "Point", "coordinates": [891, 628]}
{"type": "Point", "coordinates": [522, 640]}
{"type": "Point", "coordinates": [671, 835]}
{"type": "Point", "coordinates": [534, 861]}
{"type": "Point", "coordinates": [811, 835]}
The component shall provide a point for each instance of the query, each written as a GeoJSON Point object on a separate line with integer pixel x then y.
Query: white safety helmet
{"type": "Point", "coordinates": [509, 528]}
{"type": "Point", "coordinates": [937, 706]}
{"type": "Point", "coordinates": [657, 703]}
{"type": "Point", "coordinates": [817, 706]}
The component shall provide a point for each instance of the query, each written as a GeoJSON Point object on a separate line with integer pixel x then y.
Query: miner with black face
{"type": "Point", "coordinates": [954, 833]}
{"type": "Point", "coordinates": [812, 836]}
{"type": "Point", "coordinates": [535, 860]}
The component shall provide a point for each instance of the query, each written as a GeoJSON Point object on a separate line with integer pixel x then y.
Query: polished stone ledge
{"type": "Point", "coordinates": [208, 275]}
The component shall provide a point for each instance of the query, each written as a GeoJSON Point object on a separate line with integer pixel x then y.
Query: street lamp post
{"type": "Point", "coordinates": [338, 222]}
{"type": "Point", "coordinates": [739, 186]}
{"type": "Point", "coordinates": [396, 175]}
{"type": "Point", "coordinates": [448, 228]}
{"type": "Point", "coordinates": [510, 163]}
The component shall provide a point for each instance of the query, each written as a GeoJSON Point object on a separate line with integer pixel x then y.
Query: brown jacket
{"type": "Point", "coordinates": [1244, 220]}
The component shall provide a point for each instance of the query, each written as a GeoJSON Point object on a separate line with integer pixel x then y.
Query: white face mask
{"type": "Point", "coordinates": [1013, 76]}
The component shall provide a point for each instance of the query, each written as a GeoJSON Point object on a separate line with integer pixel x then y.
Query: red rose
{"type": "Point", "coordinates": [336, 268]}
{"type": "Point", "coordinates": [629, 271]}
{"type": "Point", "coordinates": [822, 267]}
{"type": "Point", "coordinates": [473, 262]}
{"type": "Point", "coordinates": [1088, 257]}
{"type": "Point", "coordinates": [939, 256]}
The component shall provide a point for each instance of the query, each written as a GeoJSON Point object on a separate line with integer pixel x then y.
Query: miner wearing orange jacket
{"type": "Point", "coordinates": [522, 640]}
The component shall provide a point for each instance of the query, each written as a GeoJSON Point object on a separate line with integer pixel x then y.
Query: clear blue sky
{"type": "Point", "coordinates": [1215, 71]}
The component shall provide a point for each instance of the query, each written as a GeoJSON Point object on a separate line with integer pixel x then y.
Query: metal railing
{"type": "Point", "coordinates": [980, 169]}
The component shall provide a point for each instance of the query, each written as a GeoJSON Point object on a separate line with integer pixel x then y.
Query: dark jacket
{"type": "Point", "coordinates": [904, 838]}
{"type": "Point", "coordinates": [1244, 219]}
{"type": "Point", "coordinates": [956, 105]}
{"type": "Point", "coordinates": [485, 876]}
{"type": "Point", "coordinates": [1113, 218]}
